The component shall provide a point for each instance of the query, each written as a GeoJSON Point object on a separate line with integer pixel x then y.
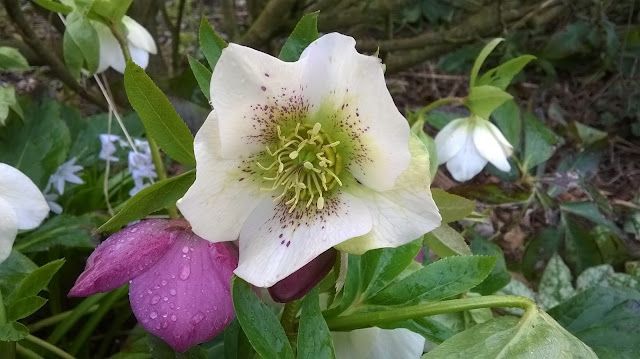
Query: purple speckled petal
{"type": "Point", "coordinates": [124, 256]}
{"type": "Point", "coordinates": [185, 297]}
{"type": "Point", "coordinates": [296, 285]}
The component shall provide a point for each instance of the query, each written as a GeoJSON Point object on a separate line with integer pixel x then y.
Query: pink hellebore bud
{"type": "Point", "coordinates": [300, 282]}
{"type": "Point", "coordinates": [179, 282]}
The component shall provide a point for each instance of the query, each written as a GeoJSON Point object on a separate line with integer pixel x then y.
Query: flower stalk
{"type": "Point", "coordinates": [288, 321]}
{"type": "Point", "coordinates": [438, 103]}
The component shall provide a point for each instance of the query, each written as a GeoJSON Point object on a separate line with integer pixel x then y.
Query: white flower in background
{"type": "Point", "coordinates": [54, 206]}
{"type": "Point", "coordinates": [376, 343]}
{"type": "Point", "coordinates": [467, 144]}
{"type": "Point", "coordinates": [141, 44]}
{"type": "Point", "coordinates": [65, 173]}
{"type": "Point", "coordinates": [299, 157]}
{"type": "Point", "coordinates": [141, 166]}
{"type": "Point", "coordinates": [22, 206]}
{"type": "Point", "coordinates": [108, 148]}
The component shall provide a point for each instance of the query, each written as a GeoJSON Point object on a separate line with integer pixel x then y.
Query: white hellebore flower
{"type": "Point", "coordinates": [22, 206]}
{"type": "Point", "coordinates": [467, 144]}
{"type": "Point", "coordinates": [299, 157]}
{"type": "Point", "coordinates": [376, 343]}
{"type": "Point", "coordinates": [65, 173]}
{"type": "Point", "coordinates": [141, 44]}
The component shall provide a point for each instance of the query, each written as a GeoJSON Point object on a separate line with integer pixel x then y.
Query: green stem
{"type": "Point", "coordinates": [70, 320]}
{"type": "Point", "coordinates": [122, 41]}
{"type": "Point", "coordinates": [368, 319]}
{"type": "Point", "coordinates": [288, 321]}
{"type": "Point", "coordinates": [48, 346]}
{"type": "Point", "coordinates": [162, 174]}
{"type": "Point", "coordinates": [27, 353]}
{"type": "Point", "coordinates": [55, 319]}
{"type": "Point", "coordinates": [440, 102]}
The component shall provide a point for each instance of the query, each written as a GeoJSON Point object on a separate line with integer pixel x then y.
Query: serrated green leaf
{"type": "Point", "coordinates": [314, 338]}
{"type": "Point", "coordinates": [445, 241]}
{"type": "Point", "coordinates": [210, 43]}
{"type": "Point", "coordinates": [507, 118]}
{"type": "Point", "coordinates": [13, 332]}
{"type": "Point", "coordinates": [35, 281]}
{"type": "Point", "coordinates": [305, 32]}
{"type": "Point", "coordinates": [482, 56]}
{"type": "Point", "coordinates": [159, 195]}
{"type": "Point", "coordinates": [538, 141]}
{"type": "Point", "coordinates": [499, 276]}
{"type": "Point", "coordinates": [160, 119]}
{"type": "Point", "coordinates": [502, 75]}
{"type": "Point", "coordinates": [556, 284]}
{"type": "Point", "coordinates": [202, 75]}
{"type": "Point", "coordinates": [482, 100]}
{"type": "Point", "coordinates": [12, 59]}
{"type": "Point", "coordinates": [443, 279]}
{"type": "Point", "coordinates": [452, 208]}
{"type": "Point", "coordinates": [81, 45]}
{"type": "Point", "coordinates": [24, 307]}
{"type": "Point", "coordinates": [259, 322]}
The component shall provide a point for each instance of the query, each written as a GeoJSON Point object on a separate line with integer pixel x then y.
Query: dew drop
{"type": "Point", "coordinates": [185, 271]}
{"type": "Point", "coordinates": [173, 317]}
{"type": "Point", "coordinates": [173, 291]}
{"type": "Point", "coordinates": [165, 299]}
{"type": "Point", "coordinates": [153, 315]}
{"type": "Point", "coordinates": [197, 318]}
{"type": "Point", "coordinates": [165, 325]}
{"type": "Point", "coordinates": [164, 282]}
{"type": "Point", "coordinates": [185, 249]}
{"type": "Point", "coordinates": [155, 299]}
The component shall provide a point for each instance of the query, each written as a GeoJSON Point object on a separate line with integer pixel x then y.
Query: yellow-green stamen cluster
{"type": "Point", "coordinates": [305, 166]}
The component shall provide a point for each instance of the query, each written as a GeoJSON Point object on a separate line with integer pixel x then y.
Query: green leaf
{"type": "Point", "coordinates": [493, 194]}
{"type": "Point", "coordinates": [12, 59]}
{"type": "Point", "coordinates": [63, 230]}
{"type": "Point", "coordinates": [305, 32]}
{"type": "Point", "coordinates": [507, 118]}
{"type": "Point", "coordinates": [482, 100]}
{"type": "Point", "coordinates": [13, 270]}
{"type": "Point", "coordinates": [499, 276]}
{"type": "Point", "coordinates": [54, 6]}
{"type": "Point", "coordinates": [159, 195]}
{"type": "Point", "coordinates": [445, 241]}
{"type": "Point", "coordinates": [516, 287]}
{"type": "Point", "coordinates": [36, 281]}
{"type": "Point", "coordinates": [112, 10]}
{"type": "Point", "coordinates": [556, 284]}
{"type": "Point", "coordinates": [429, 328]}
{"type": "Point", "coordinates": [538, 141]}
{"type": "Point", "coordinates": [587, 134]}
{"type": "Point", "coordinates": [569, 41]}
{"type": "Point", "coordinates": [452, 208]}
{"type": "Point", "coordinates": [210, 43]}
{"type": "Point", "coordinates": [439, 119]}
{"type": "Point", "coordinates": [350, 290]}
{"type": "Point", "coordinates": [314, 338]}
{"type": "Point", "coordinates": [502, 75]}
{"type": "Point", "coordinates": [24, 307]}
{"type": "Point", "coordinates": [430, 145]}
{"type": "Point", "coordinates": [81, 44]}
{"type": "Point", "coordinates": [539, 250]}
{"type": "Point", "coordinates": [484, 53]}
{"type": "Point", "coordinates": [13, 332]}
{"type": "Point", "coordinates": [536, 335]}
{"type": "Point", "coordinates": [591, 212]}
{"type": "Point", "coordinates": [379, 267]}
{"type": "Point", "coordinates": [202, 75]}
{"type": "Point", "coordinates": [160, 119]}
{"type": "Point", "coordinates": [8, 101]}
{"type": "Point", "coordinates": [259, 322]}
{"type": "Point", "coordinates": [443, 279]}
{"type": "Point", "coordinates": [581, 251]}
{"type": "Point", "coordinates": [605, 276]}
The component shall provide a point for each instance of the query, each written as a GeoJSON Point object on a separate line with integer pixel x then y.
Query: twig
{"type": "Point", "coordinates": [268, 22]}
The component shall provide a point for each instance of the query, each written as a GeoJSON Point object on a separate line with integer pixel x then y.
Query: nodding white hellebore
{"type": "Point", "coordinates": [22, 206]}
{"type": "Point", "coordinates": [299, 157]}
{"type": "Point", "coordinates": [140, 42]}
{"type": "Point", "coordinates": [467, 144]}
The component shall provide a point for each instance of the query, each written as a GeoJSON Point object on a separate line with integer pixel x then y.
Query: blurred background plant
{"type": "Point", "coordinates": [564, 223]}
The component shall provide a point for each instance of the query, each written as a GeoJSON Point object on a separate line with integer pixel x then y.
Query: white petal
{"type": "Point", "coordinates": [356, 109]}
{"type": "Point", "coordinates": [138, 36]}
{"type": "Point", "coordinates": [23, 196]}
{"type": "Point", "coordinates": [489, 147]}
{"type": "Point", "coordinates": [401, 214]}
{"type": "Point", "coordinates": [139, 56]}
{"type": "Point", "coordinates": [506, 145]}
{"type": "Point", "coordinates": [376, 343]}
{"type": "Point", "coordinates": [223, 196]}
{"type": "Point", "coordinates": [109, 47]}
{"type": "Point", "coordinates": [8, 229]}
{"type": "Point", "coordinates": [252, 91]}
{"type": "Point", "coordinates": [451, 138]}
{"type": "Point", "coordinates": [275, 243]}
{"type": "Point", "coordinates": [467, 162]}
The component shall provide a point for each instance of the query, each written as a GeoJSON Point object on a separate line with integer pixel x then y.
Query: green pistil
{"type": "Point", "coordinates": [305, 166]}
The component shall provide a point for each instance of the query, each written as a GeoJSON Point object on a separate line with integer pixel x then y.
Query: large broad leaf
{"type": "Point", "coordinates": [555, 286]}
{"type": "Point", "coordinates": [605, 276]}
{"type": "Point", "coordinates": [35, 281]}
{"type": "Point", "coordinates": [538, 141]}
{"type": "Point", "coordinates": [160, 119]}
{"type": "Point", "coordinates": [80, 44]}
{"type": "Point", "coordinates": [590, 211]}
{"type": "Point", "coordinates": [482, 56]}
{"type": "Point", "coordinates": [499, 276]}
{"type": "Point", "coordinates": [202, 75]}
{"type": "Point", "coordinates": [539, 250]}
{"type": "Point", "coordinates": [13, 270]}
{"type": "Point", "coordinates": [159, 195]}
{"type": "Point", "coordinates": [12, 59]}
{"type": "Point", "coordinates": [436, 281]}
{"type": "Point", "coordinates": [452, 208]}
{"type": "Point", "coordinates": [39, 145]}
{"type": "Point", "coordinates": [534, 336]}
{"type": "Point", "coordinates": [24, 307]}
{"type": "Point", "coordinates": [112, 10]}
{"type": "Point", "coordinates": [305, 32]}
{"type": "Point", "coordinates": [482, 100]}
{"type": "Point", "coordinates": [508, 119]}
{"type": "Point", "coordinates": [445, 241]}
{"type": "Point", "coordinates": [63, 230]}
{"type": "Point", "coordinates": [581, 250]}
{"type": "Point", "coordinates": [210, 43]}
{"type": "Point", "coordinates": [604, 318]}
{"type": "Point", "coordinates": [259, 322]}
{"type": "Point", "coordinates": [314, 338]}
{"type": "Point", "coordinates": [502, 75]}
{"type": "Point", "coordinates": [381, 266]}
{"type": "Point", "coordinates": [13, 332]}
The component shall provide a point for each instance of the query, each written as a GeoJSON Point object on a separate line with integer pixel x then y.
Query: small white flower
{"type": "Point", "coordinates": [54, 206]}
{"type": "Point", "coordinates": [467, 144]}
{"type": "Point", "coordinates": [141, 44]}
{"type": "Point", "coordinates": [22, 206]}
{"type": "Point", "coordinates": [108, 148]}
{"type": "Point", "coordinates": [65, 173]}
{"type": "Point", "coordinates": [376, 343]}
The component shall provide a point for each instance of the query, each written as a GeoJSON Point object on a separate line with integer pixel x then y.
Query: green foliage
{"type": "Point", "coordinates": [63, 230]}
{"type": "Point", "coordinates": [202, 75]}
{"type": "Point", "coordinates": [502, 75]}
{"type": "Point", "coordinates": [499, 277]}
{"type": "Point", "coordinates": [305, 32]}
{"type": "Point", "coordinates": [445, 241]}
{"type": "Point", "coordinates": [555, 285]}
{"type": "Point", "coordinates": [507, 118]}
{"type": "Point", "coordinates": [34, 282]}
{"type": "Point", "coordinates": [482, 100]}
{"type": "Point", "coordinates": [81, 45]}
{"type": "Point", "coordinates": [210, 43]}
{"type": "Point", "coordinates": [8, 101]}
{"type": "Point", "coordinates": [482, 56]}
{"type": "Point", "coordinates": [110, 10]}
{"type": "Point", "coordinates": [538, 142]}
{"type": "Point", "coordinates": [314, 338]}
{"type": "Point", "coordinates": [452, 208]}
{"type": "Point", "coordinates": [12, 59]}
